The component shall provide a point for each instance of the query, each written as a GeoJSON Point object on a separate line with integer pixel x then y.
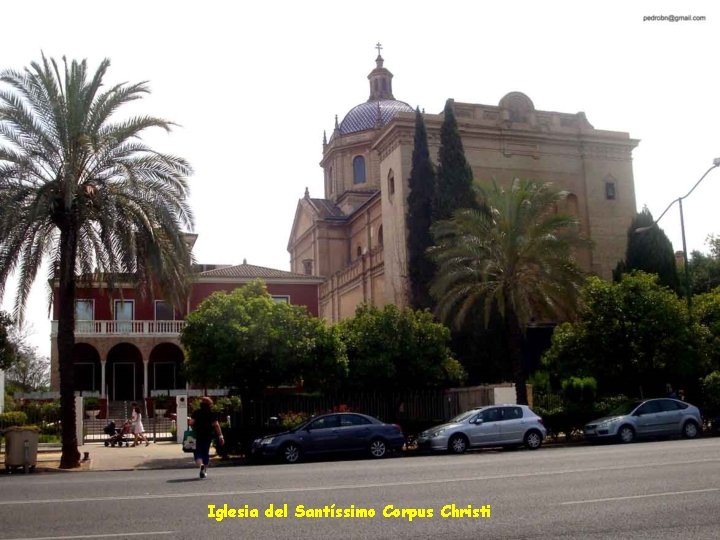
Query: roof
{"type": "Point", "coordinates": [365, 115]}
{"type": "Point", "coordinates": [250, 271]}
{"type": "Point", "coordinates": [327, 209]}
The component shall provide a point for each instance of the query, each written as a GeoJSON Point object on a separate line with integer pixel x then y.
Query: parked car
{"type": "Point", "coordinates": [332, 433]}
{"type": "Point", "coordinates": [649, 418]}
{"type": "Point", "coordinates": [494, 425]}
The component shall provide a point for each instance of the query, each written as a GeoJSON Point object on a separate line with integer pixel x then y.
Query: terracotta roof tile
{"type": "Point", "coordinates": [250, 271]}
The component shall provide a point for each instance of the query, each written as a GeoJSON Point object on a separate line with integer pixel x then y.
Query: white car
{"type": "Point", "coordinates": [493, 425]}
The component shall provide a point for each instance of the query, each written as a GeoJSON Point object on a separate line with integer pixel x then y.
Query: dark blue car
{"type": "Point", "coordinates": [332, 433]}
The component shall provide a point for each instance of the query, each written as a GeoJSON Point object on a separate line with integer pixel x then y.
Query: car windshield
{"type": "Point", "coordinates": [463, 416]}
{"type": "Point", "coordinates": [625, 408]}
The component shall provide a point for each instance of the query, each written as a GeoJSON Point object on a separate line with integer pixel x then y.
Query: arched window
{"type": "Point", "coordinates": [391, 182]}
{"type": "Point", "coordinates": [610, 192]}
{"type": "Point", "coordinates": [380, 236]}
{"type": "Point", "coordinates": [572, 205]}
{"type": "Point", "coordinates": [610, 187]}
{"type": "Point", "coordinates": [330, 181]}
{"type": "Point", "coordinates": [359, 251]}
{"type": "Point", "coordinates": [359, 170]}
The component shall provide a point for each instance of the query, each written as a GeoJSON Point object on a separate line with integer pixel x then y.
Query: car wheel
{"type": "Point", "coordinates": [290, 453]}
{"type": "Point", "coordinates": [457, 444]}
{"type": "Point", "coordinates": [533, 439]}
{"type": "Point", "coordinates": [626, 434]}
{"type": "Point", "coordinates": [378, 448]}
{"type": "Point", "coordinates": [690, 430]}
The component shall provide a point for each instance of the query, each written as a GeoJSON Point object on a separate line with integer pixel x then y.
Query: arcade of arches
{"type": "Point", "coordinates": [128, 372]}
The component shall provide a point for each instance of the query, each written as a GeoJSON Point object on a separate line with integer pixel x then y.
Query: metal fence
{"type": "Point", "coordinates": [156, 429]}
{"type": "Point", "coordinates": [412, 406]}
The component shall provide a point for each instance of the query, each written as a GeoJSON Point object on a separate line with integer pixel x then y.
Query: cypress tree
{"type": "Point", "coordinates": [454, 178]}
{"type": "Point", "coordinates": [650, 250]}
{"type": "Point", "coordinates": [419, 218]}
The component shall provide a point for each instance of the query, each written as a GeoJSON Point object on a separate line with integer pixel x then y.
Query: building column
{"type": "Point", "coordinates": [103, 384]}
{"type": "Point", "coordinates": [145, 379]}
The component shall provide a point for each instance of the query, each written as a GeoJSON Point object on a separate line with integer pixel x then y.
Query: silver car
{"type": "Point", "coordinates": [649, 418]}
{"type": "Point", "coordinates": [494, 425]}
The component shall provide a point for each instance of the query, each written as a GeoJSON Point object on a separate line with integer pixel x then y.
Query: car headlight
{"type": "Point", "coordinates": [607, 423]}
{"type": "Point", "coordinates": [437, 433]}
{"type": "Point", "coordinates": [267, 440]}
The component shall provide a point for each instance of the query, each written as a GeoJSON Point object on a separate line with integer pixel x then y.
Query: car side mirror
{"type": "Point", "coordinates": [637, 413]}
{"type": "Point", "coordinates": [478, 421]}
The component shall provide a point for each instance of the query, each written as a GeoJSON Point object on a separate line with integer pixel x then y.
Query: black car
{"type": "Point", "coordinates": [332, 433]}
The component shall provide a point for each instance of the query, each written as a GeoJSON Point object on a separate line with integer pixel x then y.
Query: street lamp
{"type": "Point", "coordinates": [679, 200]}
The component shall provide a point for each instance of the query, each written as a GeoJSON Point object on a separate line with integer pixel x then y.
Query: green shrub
{"type": "Point", "coordinates": [291, 419]}
{"type": "Point", "coordinates": [227, 405]}
{"type": "Point", "coordinates": [13, 418]}
{"type": "Point", "coordinates": [603, 406]}
{"type": "Point", "coordinates": [163, 402]}
{"type": "Point", "coordinates": [46, 438]}
{"type": "Point", "coordinates": [25, 427]}
{"type": "Point", "coordinates": [579, 390]}
{"type": "Point", "coordinates": [711, 392]}
{"type": "Point", "coordinates": [540, 381]}
{"type": "Point", "coordinates": [50, 411]}
{"type": "Point", "coordinates": [91, 404]}
{"type": "Point", "coordinates": [50, 428]}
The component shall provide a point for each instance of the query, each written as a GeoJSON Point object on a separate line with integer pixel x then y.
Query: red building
{"type": "Point", "coordinates": [126, 346]}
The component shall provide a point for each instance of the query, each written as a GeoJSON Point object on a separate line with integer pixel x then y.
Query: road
{"type": "Point", "coordinates": [662, 489]}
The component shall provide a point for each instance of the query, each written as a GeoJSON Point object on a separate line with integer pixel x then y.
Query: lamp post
{"type": "Point", "coordinates": [679, 200]}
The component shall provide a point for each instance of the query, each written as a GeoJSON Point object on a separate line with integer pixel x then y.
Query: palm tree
{"type": "Point", "coordinates": [513, 258]}
{"type": "Point", "coordinates": [79, 189]}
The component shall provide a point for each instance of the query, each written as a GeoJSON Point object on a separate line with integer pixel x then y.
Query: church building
{"type": "Point", "coordinates": [354, 237]}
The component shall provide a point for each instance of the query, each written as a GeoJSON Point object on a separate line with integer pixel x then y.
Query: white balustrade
{"type": "Point", "coordinates": [138, 328]}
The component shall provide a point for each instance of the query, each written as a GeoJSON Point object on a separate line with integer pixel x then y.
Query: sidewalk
{"type": "Point", "coordinates": [162, 455]}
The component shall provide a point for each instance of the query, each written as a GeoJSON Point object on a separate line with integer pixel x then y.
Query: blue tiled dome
{"type": "Point", "coordinates": [365, 115]}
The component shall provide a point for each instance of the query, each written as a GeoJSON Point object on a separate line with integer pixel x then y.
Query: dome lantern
{"type": "Point", "coordinates": [380, 108]}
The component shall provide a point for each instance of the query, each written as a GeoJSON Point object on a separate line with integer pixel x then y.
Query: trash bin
{"type": "Point", "coordinates": [21, 446]}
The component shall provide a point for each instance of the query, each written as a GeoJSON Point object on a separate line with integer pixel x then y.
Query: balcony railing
{"type": "Point", "coordinates": [132, 328]}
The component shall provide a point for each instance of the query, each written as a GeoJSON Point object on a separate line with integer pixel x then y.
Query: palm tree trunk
{"type": "Point", "coordinates": [70, 457]}
{"type": "Point", "coordinates": [515, 342]}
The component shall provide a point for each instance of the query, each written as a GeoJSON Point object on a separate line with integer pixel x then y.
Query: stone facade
{"type": "Point", "coordinates": [355, 237]}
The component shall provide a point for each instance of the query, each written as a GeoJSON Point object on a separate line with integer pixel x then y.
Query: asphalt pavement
{"type": "Point", "coordinates": [649, 490]}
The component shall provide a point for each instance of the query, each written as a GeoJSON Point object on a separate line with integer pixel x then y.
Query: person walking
{"type": "Point", "coordinates": [204, 422]}
{"type": "Point", "coordinates": [137, 426]}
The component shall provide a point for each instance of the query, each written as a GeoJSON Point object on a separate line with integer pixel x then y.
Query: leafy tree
{"type": "Point", "coordinates": [246, 340]}
{"type": "Point", "coordinates": [711, 394]}
{"type": "Point", "coordinates": [454, 177]}
{"type": "Point", "coordinates": [392, 348]}
{"type": "Point", "coordinates": [419, 218]}
{"type": "Point", "coordinates": [514, 260]}
{"type": "Point", "coordinates": [633, 337]}
{"type": "Point", "coordinates": [8, 349]}
{"type": "Point", "coordinates": [83, 190]}
{"type": "Point", "coordinates": [29, 371]}
{"type": "Point", "coordinates": [650, 250]}
{"type": "Point", "coordinates": [706, 312]}
{"type": "Point", "coordinates": [705, 268]}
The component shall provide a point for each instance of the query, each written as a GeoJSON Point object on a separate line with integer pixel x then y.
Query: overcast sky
{"type": "Point", "coordinates": [254, 84]}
